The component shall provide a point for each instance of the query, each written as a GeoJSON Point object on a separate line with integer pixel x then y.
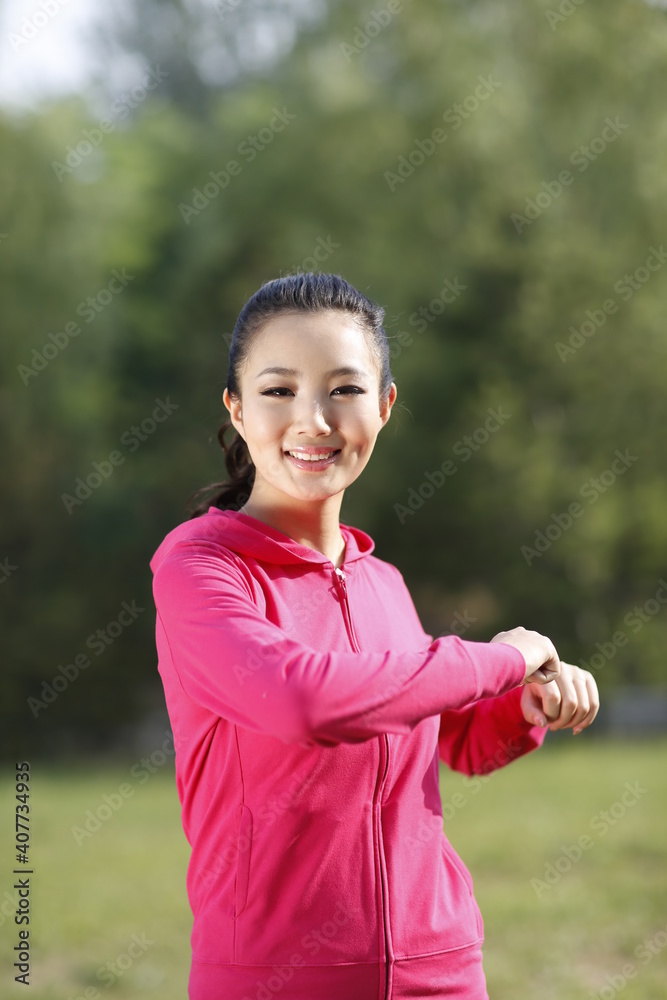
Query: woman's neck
{"type": "Point", "coordinates": [316, 526]}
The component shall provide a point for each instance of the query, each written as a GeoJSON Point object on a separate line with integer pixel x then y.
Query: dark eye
{"type": "Point", "coordinates": [282, 390]}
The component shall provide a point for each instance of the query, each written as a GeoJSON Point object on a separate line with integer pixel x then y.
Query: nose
{"type": "Point", "coordinates": [312, 416]}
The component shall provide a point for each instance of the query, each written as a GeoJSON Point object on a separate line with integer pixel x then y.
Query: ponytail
{"type": "Point", "coordinates": [235, 492]}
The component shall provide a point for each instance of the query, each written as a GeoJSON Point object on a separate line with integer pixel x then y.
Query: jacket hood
{"type": "Point", "coordinates": [248, 536]}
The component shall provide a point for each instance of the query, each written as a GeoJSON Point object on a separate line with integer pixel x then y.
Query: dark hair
{"type": "Point", "coordinates": [309, 292]}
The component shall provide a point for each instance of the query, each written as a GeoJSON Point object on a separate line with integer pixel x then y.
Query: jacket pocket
{"type": "Point", "coordinates": [244, 850]}
{"type": "Point", "coordinates": [451, 857]}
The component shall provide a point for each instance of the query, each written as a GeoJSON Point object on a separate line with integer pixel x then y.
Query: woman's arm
{"type": "Point", "coordinates": [230, 659]}
{"type": "Point", "coordinates": [484, 736]}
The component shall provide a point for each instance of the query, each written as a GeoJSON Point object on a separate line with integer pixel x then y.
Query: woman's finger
{"type": "Point", "coordinates": [593, 701]}
{"type": "Point", "coordinates": [570, 702]}
{"type": "Point", "coordinates": [569, 698]}
{"type": "Point", "coordinates": [531, 705]}
{"type": "Point", "coordinates": [582, 696]}
{"type": "Point", "coordinates": [550, 696]}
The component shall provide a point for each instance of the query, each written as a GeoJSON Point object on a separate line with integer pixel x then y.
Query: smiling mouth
{"type": "Point", "coordinates": [318, 456]}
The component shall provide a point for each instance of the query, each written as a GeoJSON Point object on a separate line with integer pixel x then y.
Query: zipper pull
{"type": "Point", "coordinates": [341, 576]}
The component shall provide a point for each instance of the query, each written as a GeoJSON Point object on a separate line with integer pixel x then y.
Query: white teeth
{"type": "Point", "coordinates": [310, 458]}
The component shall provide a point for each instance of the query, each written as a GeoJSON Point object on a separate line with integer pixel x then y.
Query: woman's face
{"type": "Point", "coordinates": [307, 405]}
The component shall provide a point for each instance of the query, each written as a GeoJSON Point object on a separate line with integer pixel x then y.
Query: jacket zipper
{"type": "Point", "coordinates": [339, 577]}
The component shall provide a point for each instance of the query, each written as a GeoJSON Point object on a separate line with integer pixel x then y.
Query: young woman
{"type": "Point", "coordinates": [309, 708]}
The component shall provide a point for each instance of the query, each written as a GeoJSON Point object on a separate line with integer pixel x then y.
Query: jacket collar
{"type": "Point", "coordinates": [247, 535]}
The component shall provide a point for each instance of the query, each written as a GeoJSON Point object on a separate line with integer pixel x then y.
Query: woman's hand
{"type": "Point", "coordinates": [542, 661]}
{"type": "Point", "coordinates": [570, 701]}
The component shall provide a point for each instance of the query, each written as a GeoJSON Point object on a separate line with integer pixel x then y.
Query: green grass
{"type": "Point", "coordinates": [561, 941]}
{"type": "Point", "coordinates": [557, 941]}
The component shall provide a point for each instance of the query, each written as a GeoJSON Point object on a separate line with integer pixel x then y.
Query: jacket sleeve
{"type": "Point", "coordinates": [482, 737]}
{"type": "Point", "coordinates": [230, 659]}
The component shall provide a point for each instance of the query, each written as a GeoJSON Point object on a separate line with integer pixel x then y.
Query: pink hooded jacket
{"type": "Point", "coordinates": [309, 711]}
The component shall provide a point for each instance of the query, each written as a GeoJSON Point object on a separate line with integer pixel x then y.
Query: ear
{"type": "Point", "coordinates": [385, 409]}
{"type": "Point", "coordinates": [235, 411]}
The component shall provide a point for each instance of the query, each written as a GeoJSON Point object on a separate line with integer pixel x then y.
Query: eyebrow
{"type": "Point", "coordinates": [345, 370]}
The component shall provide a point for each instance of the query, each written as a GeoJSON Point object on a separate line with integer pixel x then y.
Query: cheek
{"type": "Point", "coordinates": [363, 427]}
{"type": "Point", "coordinates": [360, 448]}
{"type": "Point", "coordinates": [266, 424]}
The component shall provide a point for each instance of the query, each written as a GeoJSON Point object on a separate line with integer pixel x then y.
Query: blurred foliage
{"type": "Point", "coordinates": [80, 200]}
